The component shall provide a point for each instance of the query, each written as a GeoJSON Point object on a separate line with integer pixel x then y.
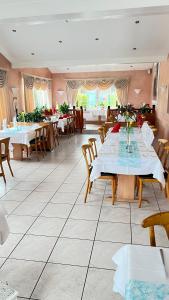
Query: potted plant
{"type": "Point", "coordinates": [64, 108]}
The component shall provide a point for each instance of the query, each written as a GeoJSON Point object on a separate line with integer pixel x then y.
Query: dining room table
{"type": "Point", "coordinates": [142, 272]}
{"type": "Point", "coordinates": [19, 136]}
{"type": "Point", "coordinates": [114, 157]}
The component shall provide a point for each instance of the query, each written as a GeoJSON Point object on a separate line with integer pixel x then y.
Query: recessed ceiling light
{"type": "Point", "coordinates": [137, 22]}
{"type": "Point", "coordinates": [60, 42]}
{"type": "Point", "coordinates": [96, 39]}
{"type": "Point", "coordinates": [13, 30]}
{"type": "Point", "coordinates": [32, 53]}
{"type": "Point", "coordinates": [134, 48]}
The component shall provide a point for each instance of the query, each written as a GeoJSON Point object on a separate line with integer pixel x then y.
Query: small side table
{"type": "Point", "coordinates": [7, 293]}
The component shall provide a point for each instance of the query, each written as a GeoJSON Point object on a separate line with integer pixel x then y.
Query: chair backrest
{"type": "Point", "coordinates": [160, 148]}
{"type": "Point", "coordinates": [161, 219]}
{"type": "Point", "coordinates": [166, 158]}
{"type": "Point", "coordinates": [101, 134]}
{"type": "Point", "coordinates": [46, 131]}
{"type": "Point", "coordinates": [87, 153]}
{"type": "Point", "coordinates": [92, 142]}
{"type": "Point", "coordinates": [39, 134]}
{"type": "Point", "coordinates": [4, 147]}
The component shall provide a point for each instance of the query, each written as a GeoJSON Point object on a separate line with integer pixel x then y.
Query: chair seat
{"type": "Point", "coordinates": [32, 142]}
{"type": "Point", "coordinates": [107, 174]}
{"type": "Point", "coordinates": [148, 176]}
{"type": "Point", "coordinates": [3, 157]}
{"type": "Point", "coordinates": [165, 174]}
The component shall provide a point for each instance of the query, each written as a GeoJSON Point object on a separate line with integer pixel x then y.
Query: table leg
{"type": "Point", "coordinates": [126, 188]}
{"type": "Point", "coordinates": [17, 151]}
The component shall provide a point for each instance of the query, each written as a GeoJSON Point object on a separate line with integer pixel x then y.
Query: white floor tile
{"type": "Point", "coordinates": [138, 215]}
{"type": "Point", "coordinates": [21, 275]}
{"type": "Point", "coordinates": [140, 235]}
{"type": "Point", "coordinates": [72, 252]}
{"type": "Point", "coordinates": [10, 244]}
{"type": "Point", "coordinates": [57, 210]}
{"type": "Point", "coordinates": [27, 208]}
{"type": "Point", "coordinates": [102, 254]}
{"type": "Point", "coordinates": [70, 188]}
{"type": "Point", "coordinates": [85, 212]}
{"type": "Point", "coordinates": [99, 285]}
{"type": "Point", "coordinates": [35, 248]}
{"type": "Point", "coordinates": [16, 195]}
{"type": "Point", "coordinates": [113, 232]}
{"type": "Point", "coordinates": [20, 224]}
{"type": "Point", "coordinates": [40, 196]}
{"type": "Point", "coordinates": [47, 226]}
{"type": "Point", "coordinates": [60, 282]}
{"type": "Point", "coordinates": [115, 214]}
{"type": "Point", "coordinates": [79, 229]}
{"type": "Point", "coordinates": [26, 186]}
{"type": "Point", "coordinates": [68, 198]}
{"type": "Point", "coordinates": [9, 205]}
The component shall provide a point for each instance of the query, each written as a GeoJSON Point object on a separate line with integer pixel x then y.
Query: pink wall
{"type": "Point", "coordinates": [162, 100]}
{"type": "Point", "coordinates": [15, 80]}
{"type": "Point", "coordinates": [138, 79]}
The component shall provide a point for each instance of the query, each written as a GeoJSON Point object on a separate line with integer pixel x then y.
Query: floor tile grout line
{"type": "Point", "coordinates": [55, 242]}
{"type": "Point", "coordinates": [27, 229]}
{"type": "Point", "coordinates": [92, 247]}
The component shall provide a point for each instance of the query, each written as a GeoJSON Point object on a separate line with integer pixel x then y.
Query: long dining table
{"type": "Point", "coordinates": [113, 157]}
{"type": "Point", "coordinates": [19, 136]}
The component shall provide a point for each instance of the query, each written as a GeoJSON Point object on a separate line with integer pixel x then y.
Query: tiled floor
{"type": "Point", "coordinates": [59, 248]}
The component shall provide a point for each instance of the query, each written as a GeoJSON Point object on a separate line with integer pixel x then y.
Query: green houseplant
{"type": "Point", "coordinates": [64, 108]}
{"type": "Point", "coordinates": [35, 116]}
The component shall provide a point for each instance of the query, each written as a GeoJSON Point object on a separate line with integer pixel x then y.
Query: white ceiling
{"type": "Point", "coordinates": [41, 24]}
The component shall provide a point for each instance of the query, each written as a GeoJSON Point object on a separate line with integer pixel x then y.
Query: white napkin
{"type": "Point", "coordinates": [4, 125]}
{"type": "Point", "coordinates": [4, 228]}
{"type": "Point", "coordinates": [147, 134]}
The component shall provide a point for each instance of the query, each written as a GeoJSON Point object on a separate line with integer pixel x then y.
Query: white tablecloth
{"type": "Point", "coordinates": [62, 123]}
{"type": "Point", "coordinates": [142, 263]}
{"type": "Point", "coordinates": [20, 134]}
{"type": "Point", "coordinates": [109, 159]}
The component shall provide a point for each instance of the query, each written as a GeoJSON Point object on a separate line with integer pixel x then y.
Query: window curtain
{"type": "Point", "coordinates": [37, 92]}
{"type": "Point", "coordinates": [4, 97]}
{"type": "Point", "coordinates": [121, 85]}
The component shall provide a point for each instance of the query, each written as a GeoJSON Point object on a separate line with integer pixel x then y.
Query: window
{"type": "Point", "coordinates": [42, 98]}
{"type": "Point", "coordinates": [97, 98]}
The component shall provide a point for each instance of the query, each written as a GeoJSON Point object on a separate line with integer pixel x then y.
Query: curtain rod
{"type": "Point", "coordinates": [34, 76]}
{"type": "Point", "coordinates": [98, 78]}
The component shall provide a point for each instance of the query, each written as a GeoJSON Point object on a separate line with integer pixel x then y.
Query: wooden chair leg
{"type": "Point", "coordinates": [87, 190]}
{"type": "Point", "coordinates": [113, 190]}
{"type": "Point", "coordinates": [3, 174]}
{"type": "Point", "coordinates": [9, 165]}
{"type": "Point", "coordinates": [140, 193]}
{"type": "Point", "coordinates": [90, 186]}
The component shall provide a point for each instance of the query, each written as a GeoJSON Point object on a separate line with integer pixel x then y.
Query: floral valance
{"type": "Point", "coordinates": [38, 83]}
{"type": "Point", "coordinates": [103, 84]}
{"type": "Point", "coordinates": [3, 78]}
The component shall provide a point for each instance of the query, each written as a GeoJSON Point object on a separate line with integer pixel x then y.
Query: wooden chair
{"type": "Point", "coordinates": [160, 219]}
{"type": "Point", "coordinates": [55, 133]}
{"type": "Point", "coordinates": [92, 142]}
{"type": "Point", "coordinates": [160, 149]}
{"type": "Point", "coordinates": [101, 134]}
{"type": "Point", "coordinates": [87, 153]}
{"type": "Point", "coordinates": [37, 143]}
{"type": "Point", "coordinates": [149, 178]}
{"type": "Point", "coordinates": [72, 125]}
{"type": "Point", "coordinates": [4, 156]}
{"type": "Point", "coordinates": [45, 137]}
